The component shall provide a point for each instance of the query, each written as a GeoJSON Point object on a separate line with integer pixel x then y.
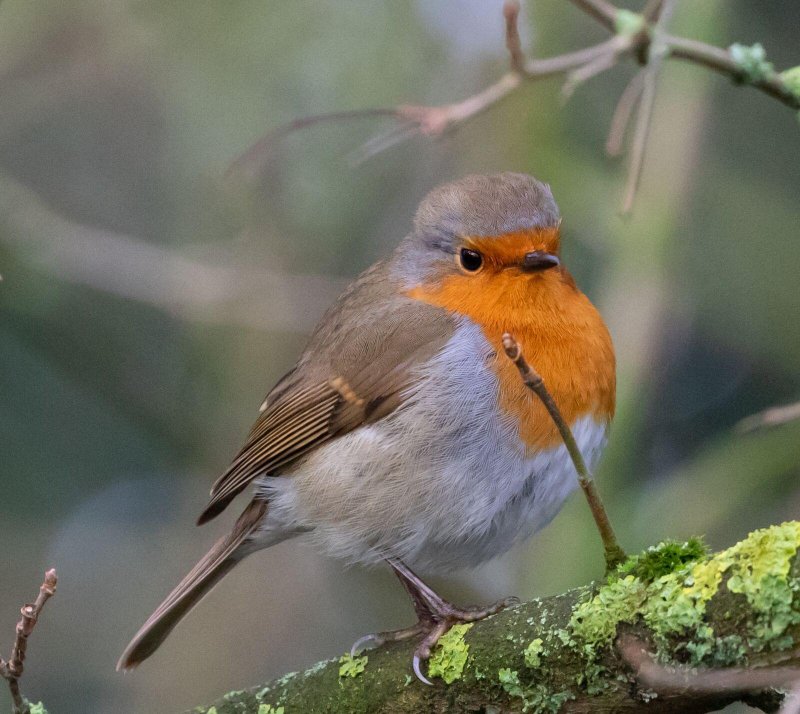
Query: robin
{"type": "Point", "coordinates": [403, 434]}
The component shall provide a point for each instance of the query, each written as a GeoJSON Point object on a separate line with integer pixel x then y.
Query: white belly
{"type": "Point", "coordinates": [442, 482]}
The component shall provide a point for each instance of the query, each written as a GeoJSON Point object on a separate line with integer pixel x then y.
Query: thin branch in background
{"type": "Point", "coordinates": [720, 60]}
{"type": "Point", "coordinates": [202, 285]}
{"type": "Point", "coordinates": [601, 10]}
{"type": "Point", "coordinates": [585, 73]}
{"type": "Point", "coordinates": [657, 51]}
{"type": "Point", "coordinates": [513, 43]}
{"type": "Point", "coordinates": [614, 555]}
{"type": "Point", "coordinates": [643, 40]}
{"type": "Point", "coordinates": [775, 416]}
{"type": "Point", "coordinates": [684, 680]}
{"type": "Point", "coordinates": [251, 161]}
{"type": "Point", "coordinates": [623, 112]}
{"type": "Point", "coordinates": [12, 669]}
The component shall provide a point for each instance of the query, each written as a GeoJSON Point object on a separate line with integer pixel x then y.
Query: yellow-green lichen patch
{"type": "Point", "coordinates": [450, 656]}
{"type": "Point", "coordinates": [535, 698]}
{"type": "Point", "coordinates": [673, 602]}
{"type": "Point", "coordinates": [350, 666]}
{"type": "Point", "coordinates": [760, 571]}
{"type": "Point", "coordinates": [533, 653]}
{"type": "Point", "coordinates": [269, 709]}
{"type": "Point", "coordinates": [596, 620]}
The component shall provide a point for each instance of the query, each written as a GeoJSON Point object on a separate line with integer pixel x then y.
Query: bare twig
{"type": "Point", "coordinates": [650, 46]}
{"type": "Point", "coordinates": [774, 416]}
{"type": "Point", "coordinates": [685, 680]}
{"type": "Point", "coordinates": [12, 669]}
{"type": "Point", "coordinates": [720, 60]}
{"type": "Point", "coordinates": [614, 554]}
{"type": "Point", "coordinates": [652, 10]}
{"type": "Point", "coordinates": [657, 50]}
{"type": "Point", "coordinates": [513, 44]}
{"type": "Point", "coordinates": [623, 113]}
{"type": "Point", "coordinates": [601, 10]}
{"type": "Point", "coordinates": [250, 161]}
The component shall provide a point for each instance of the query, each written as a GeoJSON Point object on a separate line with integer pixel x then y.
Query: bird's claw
{"type": "Point", "coordinates": [416, 664]}
{"type": "Point", "coordinates": [367, 642]}
{"type": "Point", "coordinates": [435, 620]}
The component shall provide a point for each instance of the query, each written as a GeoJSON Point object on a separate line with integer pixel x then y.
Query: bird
{"type": "Point", "coordinates": [403, 434]}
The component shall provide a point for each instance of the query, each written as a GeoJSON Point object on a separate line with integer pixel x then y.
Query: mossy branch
{"type": "Point", "coordinates": [739, 608]}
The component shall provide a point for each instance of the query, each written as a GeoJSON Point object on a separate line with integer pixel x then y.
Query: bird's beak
{"type": "Point", "coordinates": [537, 261]}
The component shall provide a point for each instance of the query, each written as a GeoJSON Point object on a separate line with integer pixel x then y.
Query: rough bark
{"type": "Point", "coordinates": [736, 608]}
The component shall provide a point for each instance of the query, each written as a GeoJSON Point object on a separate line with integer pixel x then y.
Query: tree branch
{"type": "Point", "coordinates": [641, 37]}
{"type": "Point", "coordinates": [734, 614]}
{"type": "Point", "coordinates": [601, 10]}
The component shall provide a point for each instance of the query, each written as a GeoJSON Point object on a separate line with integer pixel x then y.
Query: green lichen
{"type": "Point", "coordinates": [791, 80]}
{"type": "Point", "coordinates": [595, 621]}
{"type": "Point", "coordinates": [628, 23]}
{"type": "Point", "coordinates": [533, 653]}
{"type": "Point", "coordinates": [350, 666]}
{"type": "Point", "coordinates": [759, 570]}
{"type": "Point", "coordinates": [752, 61]}
{"type": "Point", "coordinates": [535, 698]}
{"type": "Point", "coordinates": [675, 601]}
{"type": "Point", "coordinates": [450, 656]}
{"type": "Point", "coordinates": [212, 710]}
{"type": "Point", "coordinates": [269, 709]}
{"type": "Point", "coordinates": [37, 708]}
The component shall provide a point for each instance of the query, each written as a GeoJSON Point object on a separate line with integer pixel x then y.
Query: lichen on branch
{"type": "Point", "coordinates": [736, 608]}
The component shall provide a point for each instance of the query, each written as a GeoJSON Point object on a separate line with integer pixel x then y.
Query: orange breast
{"type": "Point", "coordinates": [562, 335]}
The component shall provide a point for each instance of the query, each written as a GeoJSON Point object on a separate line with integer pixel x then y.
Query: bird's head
{"type": "Point", "coordinates": [490, 238]}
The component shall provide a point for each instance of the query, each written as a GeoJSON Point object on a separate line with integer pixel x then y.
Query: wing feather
{"type": "Point", "coordinates": [357, 368]}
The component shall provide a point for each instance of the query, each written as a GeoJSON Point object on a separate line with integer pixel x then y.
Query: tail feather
{"type": "Point", "coordinates": [200, 580]}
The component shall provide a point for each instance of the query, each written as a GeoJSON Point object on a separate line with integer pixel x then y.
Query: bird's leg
{"type": "Point", "coordinates": [435, 616]}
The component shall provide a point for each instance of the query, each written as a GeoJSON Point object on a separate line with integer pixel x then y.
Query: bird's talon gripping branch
{"type": "Point", "coordinates": [417, 666]}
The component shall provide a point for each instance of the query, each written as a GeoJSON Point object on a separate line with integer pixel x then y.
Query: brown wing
{"type": "Point", "coordinates": [356, 369]}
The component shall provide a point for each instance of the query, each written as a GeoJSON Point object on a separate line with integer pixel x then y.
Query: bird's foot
{"type": "Point", "coordinates": [436, 619]}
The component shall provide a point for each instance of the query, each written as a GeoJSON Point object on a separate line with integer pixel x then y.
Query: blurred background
{"type": "Point", "coordinates": [149, 300]}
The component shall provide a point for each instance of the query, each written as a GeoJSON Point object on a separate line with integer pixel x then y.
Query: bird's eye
{"type": "Point", "coordinates": [471, 260]}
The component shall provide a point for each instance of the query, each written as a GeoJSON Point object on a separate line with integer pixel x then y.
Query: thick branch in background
{"type": "Point", "coordinates": [732, 612]}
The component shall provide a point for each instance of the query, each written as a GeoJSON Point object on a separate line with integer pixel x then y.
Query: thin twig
{"type": "Point", "coordinates": [775, 416]}
{"type": "Point", "coordinates": [720, 60]}
{"type": "Point", "coordinates": [513, 44]}
{"type": "Point", "coordinates": [585, 73]}
{"type": "Point", "coordinates": [657, 50]}
{"type": "Point", "coordinates": [652, 11]}
{"type": "Point", "coordinates": [614, 554]}
{"type": "Point", "coordinates": [623, 112]}
{"type": "Point", "coordinates": [549, 66]}
{"type": "Point", "coordinates": [650, 47]}
{"type": "Point", "coordinates": [685, 680]}
{"type": "Point", "coordinates": [601, 10]}
{"type": "Point", "coordinates": [250, 161]}
{"type": "Point", "coordinates": [12, 669]}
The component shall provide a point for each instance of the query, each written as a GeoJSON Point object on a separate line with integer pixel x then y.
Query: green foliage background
{"type": "Point", "coordinates": [118, 121]}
